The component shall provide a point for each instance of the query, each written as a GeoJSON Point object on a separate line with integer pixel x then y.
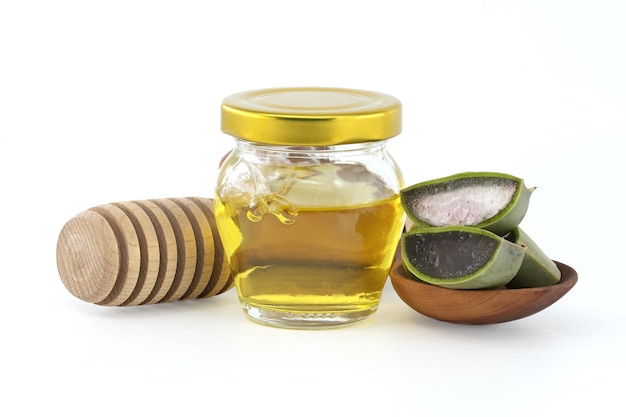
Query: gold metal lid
{"type": "Point", "coordinates": [311, 116]}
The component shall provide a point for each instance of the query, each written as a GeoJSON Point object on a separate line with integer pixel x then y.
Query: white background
{"type": "Point", "coordinates": [119, 100]}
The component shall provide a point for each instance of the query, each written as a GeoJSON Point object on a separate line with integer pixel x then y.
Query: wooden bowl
{"type": "Point", "coordinates": [478, 306]}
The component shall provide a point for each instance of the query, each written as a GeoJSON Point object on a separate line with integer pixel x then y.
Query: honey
{"type": "Point", "coordinates": [328, 262]}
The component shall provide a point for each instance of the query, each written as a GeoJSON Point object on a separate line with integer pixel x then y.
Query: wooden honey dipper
{"type": "Point", "coordinates": [143, 252]}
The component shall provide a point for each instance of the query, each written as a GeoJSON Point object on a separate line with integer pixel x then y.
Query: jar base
{"type": "Point", "coordinates": [301, 320]}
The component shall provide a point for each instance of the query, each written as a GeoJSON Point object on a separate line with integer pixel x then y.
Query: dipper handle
{"type": "Point", "coordinates": [143, 252]}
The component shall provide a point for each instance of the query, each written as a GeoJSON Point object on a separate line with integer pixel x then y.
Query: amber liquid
{"type": "Point", "coordinates": [324, 264]}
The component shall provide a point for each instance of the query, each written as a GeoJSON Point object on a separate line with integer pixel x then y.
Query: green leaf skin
{"type": "Point", "coordinates": [490, 260]}
{"type": "Point", "coordinates": [506, 219]}
{"type": "Point", "coordinates": [537, 269]}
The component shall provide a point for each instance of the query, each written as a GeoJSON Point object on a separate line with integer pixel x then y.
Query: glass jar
{"type": "Point", "coordinates": [307, 203]}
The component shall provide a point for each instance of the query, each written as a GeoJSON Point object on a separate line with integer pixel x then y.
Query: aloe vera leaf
{"type": "Point", "coordinates": [489, 200]}
{"type": "Point", "coordinates": [537, 269]}
{"type": "Point", "coordinates": [460, 257]}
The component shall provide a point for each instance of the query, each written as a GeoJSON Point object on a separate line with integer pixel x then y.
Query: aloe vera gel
{"type": "Point", "coordinates": [307, 204]}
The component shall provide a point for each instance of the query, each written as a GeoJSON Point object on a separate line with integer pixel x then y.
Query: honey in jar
{"type": "Point", "coordinates": [307, 203]}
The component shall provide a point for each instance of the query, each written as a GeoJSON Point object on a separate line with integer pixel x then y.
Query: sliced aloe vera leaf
{"type": "Point", "coordinates": [537, 269]}
{"type": "Point", "coordinates": [489, 200]}
{"type": "Point", "coordinates": [460, 257]}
